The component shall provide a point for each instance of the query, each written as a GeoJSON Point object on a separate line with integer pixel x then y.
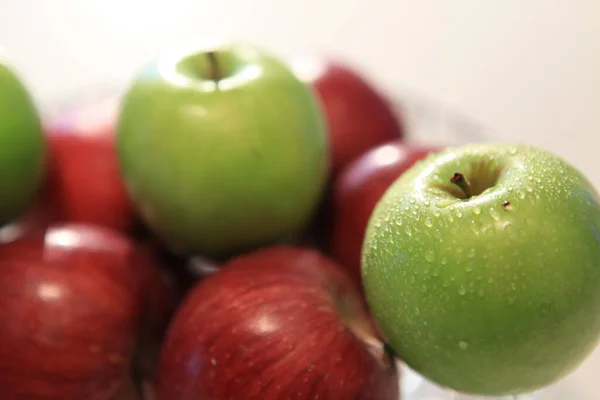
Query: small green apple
{"type": "Point", "coordinates": [481, 265]}
{"type": "Point", "coordinates": [222, 149]}
{"type": "Point", "coordinates": [22, 146]}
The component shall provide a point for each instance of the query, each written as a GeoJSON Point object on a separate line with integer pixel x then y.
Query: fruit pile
{"type": "Point", "coordinates": [234, 226]}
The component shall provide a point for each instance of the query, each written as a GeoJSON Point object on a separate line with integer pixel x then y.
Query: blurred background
{"type": "Point", "coordinates": [530, 70]}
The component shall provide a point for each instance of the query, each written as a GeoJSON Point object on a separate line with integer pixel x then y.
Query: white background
{"type": "Point", "coordinates": [529, 69]}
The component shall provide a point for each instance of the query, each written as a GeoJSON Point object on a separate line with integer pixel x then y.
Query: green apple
{"type": "Point", "coordinates": [222, 148]}
{"type": "Point", "coordinates": [481, 265]}
{"type": "Point", "coordinates": [22, 146]}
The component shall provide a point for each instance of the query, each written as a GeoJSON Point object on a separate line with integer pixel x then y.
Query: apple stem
{"type": "Point", "coordinates": [214, 66]}
{"type": "Point", "coordinates": [459, 180]}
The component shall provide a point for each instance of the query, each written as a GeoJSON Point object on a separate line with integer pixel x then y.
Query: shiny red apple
{"type": "Point", "coordinates": [356, 191]}
{"type": "Point", "coordinates": [84, 180]}
{"type": "Point", "coordinates": [278, 323]}
{"type": "Point", "coordinates": [80, 307]}
{"type": "Point", "coordinates": [358, 114]}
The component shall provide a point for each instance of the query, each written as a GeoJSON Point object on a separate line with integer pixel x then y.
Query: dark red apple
{"type": "Point", "coordinates": [358, 114]}
{"type": "Point", "coordinates": [78, 303]}
{"type": "Point", "coordinates": [356, 191]}
{"type": "Point", "coordinates": [279, 323]}
{"type": "Point", "coordinates": [84, 180]}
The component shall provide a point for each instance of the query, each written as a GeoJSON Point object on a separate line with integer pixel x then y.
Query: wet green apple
{"type": "Point", "coordinates": [222, 148]}
{"type": "Point", "coordinates": [481, 265]}
{"type": "Point", "coordinates": [22, 146]}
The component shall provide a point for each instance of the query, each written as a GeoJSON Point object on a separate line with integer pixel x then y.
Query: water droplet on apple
{"type": "Point", "coordinates": [435, 272]}
{"type": "Point", "coordinates": [412, 279]}
{"type": "Point", "coordinates": [436, 213]}
{"type": "Point", "coordinates": [538, 180]}
{"type": "Point", "coordinates": [445, 284]}
{"type": "Point", "coordinates": [459, 214]}
{"type": "Point", "coordinates": [417, 311]}
{"type": "Point", "coordinates": [513, 150]}
{"type": "Point", "coordinates": [408, 231]}
{"type": "Point", "coordinates": [377, 224]}
{"type": "Point", "coordinates": [529, 189]}
{"type": "Point", "coordinates": [387, 217]}
{"type": "Point", "coordinates": [494, 214]}
{"type": "Point", "coordinates": [468, 268]}
{"type": "Point", "coordinates": [450, 218]}
{"type": "Point", "coordinates": [480, 293]}
{"type": "Point", "coordinates": [423, 288]}
{"type": "Point", "coordinates": [428, 222]}
{"type": "Point", "coordinates": [452, 278]}
{"type": "Point", "coordinates": [412, 201]}
{"type": "Point", "coordinates": [463, 345]}
{"type": "Point", "coordinates": [510, 188]}
{"type": "Point", "coordinates": [444, 261]}
{"type": "Point", "coordinates": [430, 255]}
{"type": "Point", "coordinates": [521, 195]}
{"type": "Point", "coordinates": [471, 253]}
{"type": "Point", "coordinates": [427, 203]}
{"type": "Point", "coordinates": [398, 221]}
{"type": "Point", "coordinates": [462, 291]}
{"type": "Point", "coordinates": [477, 210]}
{"type": "Point", "coordinates": [511, 300]}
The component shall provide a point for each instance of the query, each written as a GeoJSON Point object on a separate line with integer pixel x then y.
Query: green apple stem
{"type": "Point", "coordinates": [214, 72]}
{"type": "Point", "coordinates": [463, 183]}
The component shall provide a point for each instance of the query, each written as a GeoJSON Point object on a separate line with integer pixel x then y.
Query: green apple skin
{"type": "Point", "coordinates": [495, 294]}
{"type": "Point", "coordinates": [22, 146]}
{"type": "Point", "coordinates": [219, 168]}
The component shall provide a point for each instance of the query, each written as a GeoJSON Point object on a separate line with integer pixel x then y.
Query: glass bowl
{"type": "Point", "coordinates": [427, 122]}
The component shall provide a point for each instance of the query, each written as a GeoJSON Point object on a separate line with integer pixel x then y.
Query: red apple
{"type": "Point", "coordinates": [78, 303]}
{"type": "Point", "coordinates": [356, 191]}
{"type": "Point", "coordinates": [279, 323]}
{"type": "Point", "coordinates": [84, 179]}
{"type": "Point", "coordinates": [358, 114]}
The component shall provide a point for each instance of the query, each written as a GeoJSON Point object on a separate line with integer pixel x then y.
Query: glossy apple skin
{"type": "Point", "coordinates": [218, 169]}
{"type": "Point", "coordinates": [84, 180]}
{"type": "Point", "coordinates": [359, 116]}
{"type": "Point", "coordinates": [356, 191]}
{"type": "Point", "coordinates": [497, 293]}
{"type": "Point", "coordinates": [281, 322]}
{"type": "Point", "coordinates": [75, 301]}
{"type": "Point", "coordinates": [22, 147]}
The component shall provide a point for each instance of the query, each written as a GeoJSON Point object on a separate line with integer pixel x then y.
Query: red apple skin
{"type": "Point", "coordinates": [357, 190]}
{"type": "Point", "coordinates": [74, 302]}
{"type": "Point", "coordinates": [281, 322]}
{"type": "Point", "coordinates": [84, 179]}
{"type": "Point", "coordinates": [359, 116]}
